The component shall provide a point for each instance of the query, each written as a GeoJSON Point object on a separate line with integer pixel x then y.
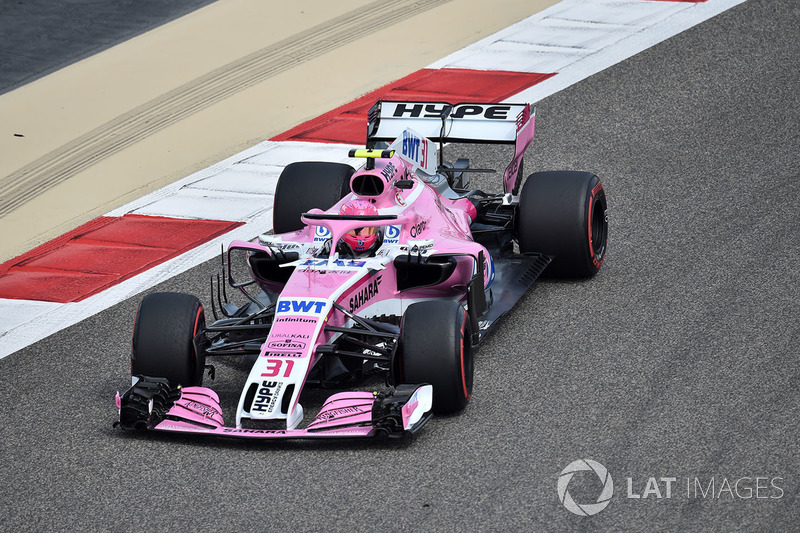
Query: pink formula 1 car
{"type": "Point", "coordinates": [396, 267]}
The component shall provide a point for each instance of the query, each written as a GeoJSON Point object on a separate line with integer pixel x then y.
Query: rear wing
{"type": "Point", "coordinates": [485, 123]}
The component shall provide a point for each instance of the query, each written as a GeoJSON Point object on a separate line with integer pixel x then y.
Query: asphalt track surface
{"type": "Point", "coordinates": [37, 38]}
{"type": "Point", "coordinates": [678, 360]}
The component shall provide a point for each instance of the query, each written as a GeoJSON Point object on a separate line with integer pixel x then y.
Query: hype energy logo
{"type": "Point", "coordinates": [585, 508]}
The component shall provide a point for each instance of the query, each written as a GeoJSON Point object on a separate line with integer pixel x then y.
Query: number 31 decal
{"type": "Point", "coordinates": [274, 368]}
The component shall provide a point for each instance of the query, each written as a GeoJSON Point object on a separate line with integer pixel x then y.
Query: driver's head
{"type": "Point", "coordinates": [360, 239]}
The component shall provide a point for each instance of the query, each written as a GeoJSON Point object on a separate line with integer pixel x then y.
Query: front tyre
{"type": "Point", "coordinates": [563, 214]}
{"type": "Point", "coordinates": [163, 338]}
{"type": "Point", "coordinates": [435, 348]}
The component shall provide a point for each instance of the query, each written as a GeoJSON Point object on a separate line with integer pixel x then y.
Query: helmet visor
{"type": "Point", "coordinates": [363, 232]}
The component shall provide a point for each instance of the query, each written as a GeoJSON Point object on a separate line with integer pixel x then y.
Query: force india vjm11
{"type": "Point", "coordinates": [398, 266]}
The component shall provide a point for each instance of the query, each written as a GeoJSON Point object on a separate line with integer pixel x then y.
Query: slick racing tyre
{"type": "Point", "coordinates": [305, 185]}
{"type": "Point", "coordinates": [166, 325]}
{"type": "Point", "coordinates": [435, 348]}
{"type": "Point", "coordinates": [563, 214]}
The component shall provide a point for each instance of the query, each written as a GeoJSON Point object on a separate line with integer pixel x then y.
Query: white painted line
{"type": "Point", "coordinates": [34, 321]}
{"type": "Point", "coordinates": [252, 171]}
{"type": "Point", "coordinates": [576, 39]}
{"type": "Point", "coordinates": [200, 205]}
{"type": "Point", "coordinates": [16, 313]}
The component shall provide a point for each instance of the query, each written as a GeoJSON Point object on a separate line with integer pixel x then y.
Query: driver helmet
{"type": "Point", "coordinates": [360, 239]}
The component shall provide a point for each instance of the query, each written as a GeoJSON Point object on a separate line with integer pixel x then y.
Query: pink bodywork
{"type": "Point", "coordinates": [199, 412]}
{"type": "Point", "coordinates": [365, 286]}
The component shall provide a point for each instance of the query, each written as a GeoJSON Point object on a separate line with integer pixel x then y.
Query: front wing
{"type": "Point", "coordinates": [152, 404]}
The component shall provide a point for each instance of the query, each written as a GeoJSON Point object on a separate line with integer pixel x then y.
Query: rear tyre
{"type": "Point", "coordinates": [306, 185]}
{"type": "Point", "coordinates": [166, 325]}
{"type": "Point", "coordinates": [435, 348]}
{"type": "Point", "coordinates": [563, 214]}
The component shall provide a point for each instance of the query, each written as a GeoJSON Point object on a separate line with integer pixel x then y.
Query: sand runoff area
{"type": "Point", "coordinates": [131, 119]}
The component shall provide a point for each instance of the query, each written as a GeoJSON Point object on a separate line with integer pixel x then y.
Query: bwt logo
{"type": "Point", "coordinates": [411, 146]}
{"type": "Point", "coordinates": [603, 499]}
{"type": "Point", "coordinates": [392, 235]}
{"type": "Point", "coordinates": [301, 307]}
{"type": "Point", "coordinates": [321, 233]}
{"type": "Point", "coordinates": [415, 149]}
